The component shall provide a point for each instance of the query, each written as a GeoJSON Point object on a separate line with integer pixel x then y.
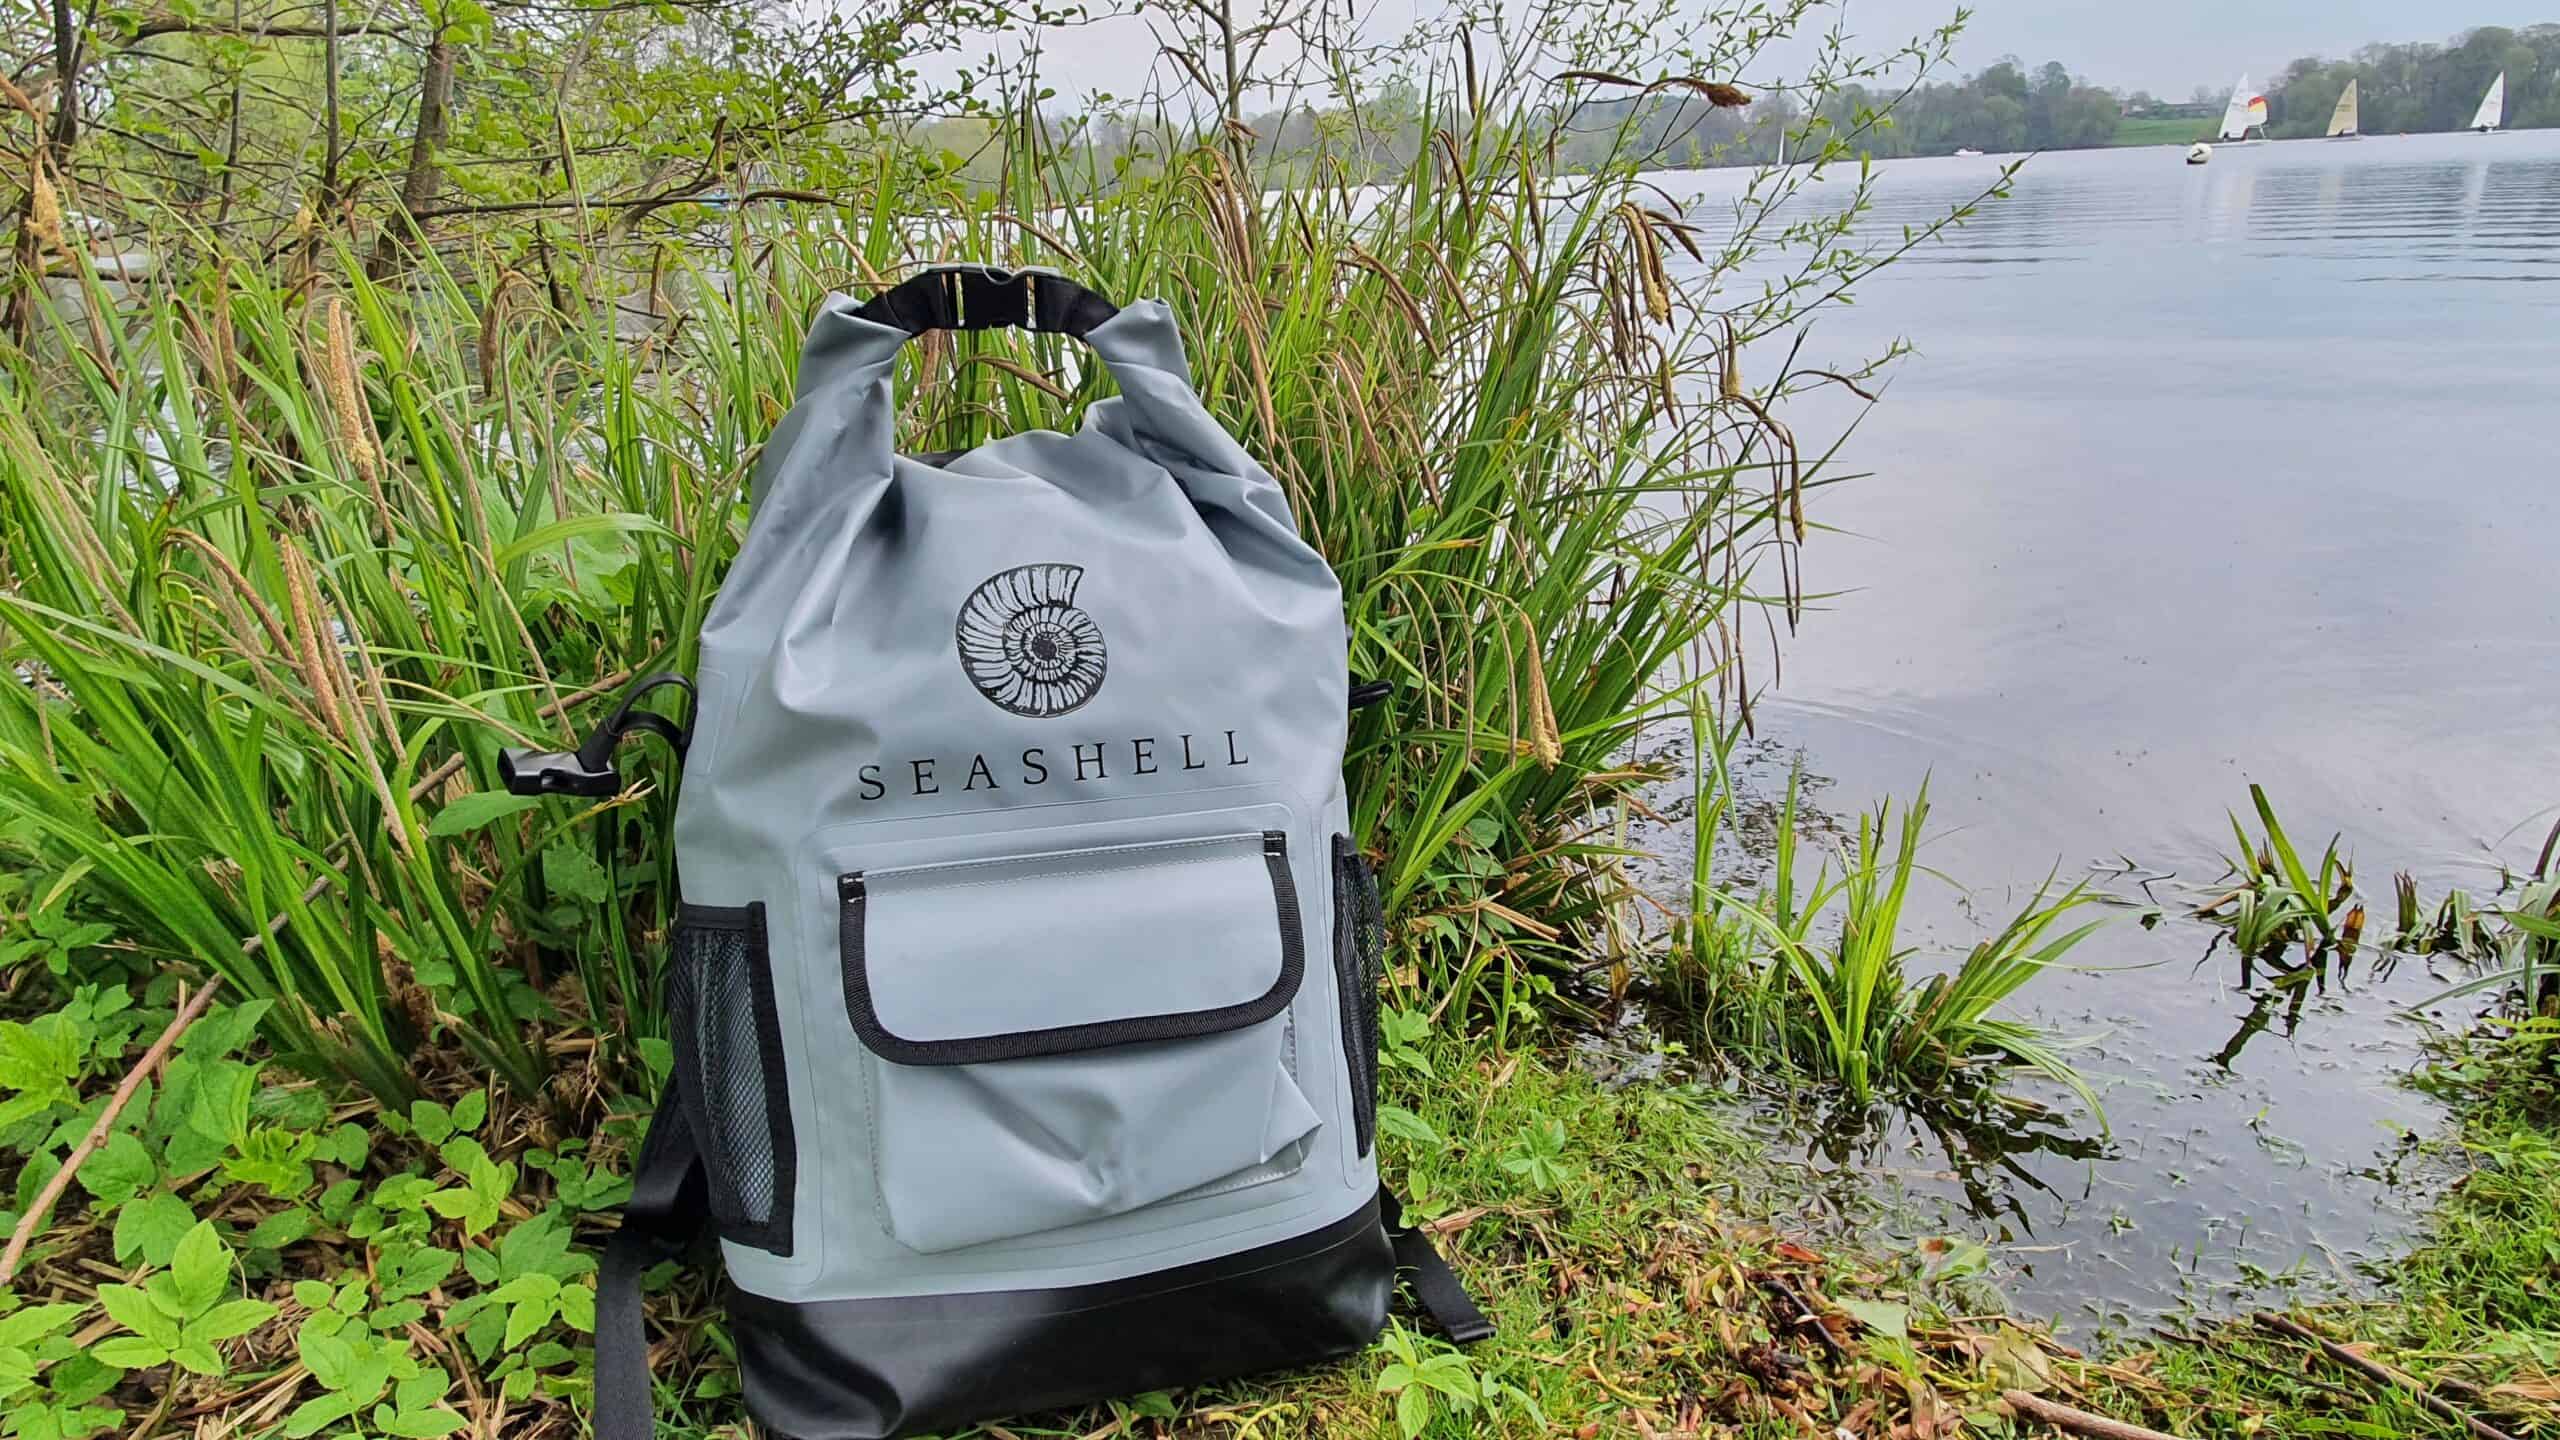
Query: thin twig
{"type": "Point", "coordinates": [98, 1132]}
{"type": "Point", "coordinates": [2077, 1421]}
{"type": "Point", "coordinates": [1805, 1318]}
{"type": "Point", "coordinates": [2382, 1374]}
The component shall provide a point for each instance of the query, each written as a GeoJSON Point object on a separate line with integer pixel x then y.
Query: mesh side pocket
{"type": "Point", "coordinates": [729, 1058]}
{"type": "Point", "coordinates": [1359, 958]}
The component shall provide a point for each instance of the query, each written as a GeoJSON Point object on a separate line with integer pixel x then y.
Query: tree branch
{"type": "Point", "coordinates": [99, 1131]}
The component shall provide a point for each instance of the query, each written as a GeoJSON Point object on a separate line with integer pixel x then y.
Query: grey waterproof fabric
{"type": "Point", "coordinates": [1032, 761]}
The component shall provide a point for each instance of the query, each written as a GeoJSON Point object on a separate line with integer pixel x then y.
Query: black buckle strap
{"type": "Point", "coordinates": [588, 770]}
{"type": "Point", "coordinates": [988, 297]}
{"type": "Point", "coordinates": [1435, 1286]}
{"type": "Point", "coordinates": [670, 1195]}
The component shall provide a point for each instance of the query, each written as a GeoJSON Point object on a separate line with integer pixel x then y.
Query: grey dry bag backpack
{"type": "Point", "coordinates": [1021, 991]}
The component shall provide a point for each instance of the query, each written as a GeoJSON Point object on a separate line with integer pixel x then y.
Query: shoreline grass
{"type": "Point", "coordinates": [1653, 1266]}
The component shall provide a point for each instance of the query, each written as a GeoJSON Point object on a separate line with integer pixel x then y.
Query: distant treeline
{"type": "Point", "coordinates": [2005, 107]}
{"type": "Point", "coordinates": [2424, 87]}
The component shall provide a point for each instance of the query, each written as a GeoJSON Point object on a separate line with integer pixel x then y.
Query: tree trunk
{"type": "Point", "coordinates": [66, 72]}
{"type": "Point", "coordinates": [329, 107]}
{"type": "Point", "coordinates": [418, 188]}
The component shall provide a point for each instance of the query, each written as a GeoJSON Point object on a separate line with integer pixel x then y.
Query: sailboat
{"type": "Point", "coordinates": [2246, 109]}
{"type": "Point", "coordinates": [2493, 106]}
{"type": "Point", "coordinates": [2342, 121]}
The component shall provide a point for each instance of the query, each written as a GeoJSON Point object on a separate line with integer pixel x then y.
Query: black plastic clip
{"type": "Point", "coordinates": [1365, 693]}
{"type": "Point", "coordinates": [588, 770]}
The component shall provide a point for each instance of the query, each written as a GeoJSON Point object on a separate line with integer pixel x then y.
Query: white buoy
{"type": "Point", "coordinates": [2199, 153]}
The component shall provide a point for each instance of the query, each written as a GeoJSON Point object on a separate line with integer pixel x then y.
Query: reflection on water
{"type": "Point", "coordinates": [2200, 476]}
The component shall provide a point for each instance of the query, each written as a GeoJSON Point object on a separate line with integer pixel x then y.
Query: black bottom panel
{"type": "Point", "coordinates": [875, 1369]}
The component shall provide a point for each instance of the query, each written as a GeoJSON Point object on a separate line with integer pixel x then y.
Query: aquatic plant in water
{"type": "Point", "coordinates": [2277, 900]}
{"type": "Point", "coordinates": [1824, 980]}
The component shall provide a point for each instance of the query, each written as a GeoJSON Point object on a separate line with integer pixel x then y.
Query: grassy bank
{"type": "Point", "coordinates": [2162, 130]}
{"type": "Point", "coordinates": [1648, 1266]}
{"type": "Point", "coordinates": [253, 1255]}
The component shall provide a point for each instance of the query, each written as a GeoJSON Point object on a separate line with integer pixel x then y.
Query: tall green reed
{"type": "Point", "coordinates": [291, 554]}
{"type": "Point", "coordinates": [282, 577]}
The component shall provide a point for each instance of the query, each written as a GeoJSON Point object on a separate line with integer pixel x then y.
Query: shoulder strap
{"type": "Point", "coordinates": [670, 1193]}
{"type": "Point", "coordinates": [1435, 1286]}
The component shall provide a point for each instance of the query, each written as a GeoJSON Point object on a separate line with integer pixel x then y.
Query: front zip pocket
{"type": "Point", "coordinates": [1075, 1034]}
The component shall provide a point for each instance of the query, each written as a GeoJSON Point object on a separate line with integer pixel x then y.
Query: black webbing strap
{"type": "Point", "coordinates": [670, 1195]}
{"type": "Point", "coordinates": [986, 297]}
{"type": "Point", "coordinates": [1434, 1285]}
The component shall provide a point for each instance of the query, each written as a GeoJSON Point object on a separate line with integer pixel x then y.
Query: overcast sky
{"type": "Point", "coordinates": [2165, 46]}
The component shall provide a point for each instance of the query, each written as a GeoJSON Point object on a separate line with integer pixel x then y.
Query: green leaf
{"type": "Point", "coordinates": [1404, 1125]}
{"type": "Point", "coordinates": [422, 1389]}
{"type": "Point", "coordinates": [578, 1308]}
{"type": "Point", "coordinates": [312, 1416]}
{"type": "Point", "coordinates": [279, 1230]}
{"type": "Point", "coordinates": [346, 1148]}
{"type": "Point", "coordinates": [223, 1092]}
{"type": "Point", "coordinates": [540, 1244]}
{"type": "Point", "coordinates": [1413, 1410]}
{"type": "Point", "coordinates": [574, 874]}
{"type": "Point", "coordinates": [119, 1170]}
{"type": "Point", "coordinates": [414, 1270]}
{"type": "Point", "coordinates": [231, 1319]}
{"type": "Point", "coordinates": [2017, 1362]}
{"type": "Point", "coordinates": [471, 1110]}
{"type": "Point", "coordinates": [40, 1058]}
{"type": "Point", "coordinates": [224, 1029]}
{"type": "Point", "coordinates": [433, 1122]}
{"type": "Point", "coordinates": [201, 1270]}
{"type": "Point", "coordinates": [197, 1356]}
{"type": "Point", "coordinates": [1882, 1316]}
{"type": "Point", "coordinates": [151, 1228]}
{"type": "Point", "coordinates": [528, 1318]}
{"type": "Point", "coordinates": [659, 1056]}
{"type": "Point", "coordinates": [417, 1424]}
{"type": "Point", "coordinates": [129, 1307]}
{"type": "Point", "coordinates": [477, 810]}
{"type": "Point", "coordinates": [526, 1287]}
{"type": "Point", "coordinates": [21, 1328]}
{"type": "Point", "coordinates": [577, 526]}
{"type": "Point", "coordinates": [130, 1352]}
{"type": "Point", "coordinates": [330, 1358]}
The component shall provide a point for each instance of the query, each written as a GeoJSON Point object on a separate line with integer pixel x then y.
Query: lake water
{"type": "Point", "coordinates": [2199, 476]}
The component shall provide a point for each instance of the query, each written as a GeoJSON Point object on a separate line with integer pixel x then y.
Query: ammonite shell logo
{"type": "Point", "coordinates": [1025, 644]}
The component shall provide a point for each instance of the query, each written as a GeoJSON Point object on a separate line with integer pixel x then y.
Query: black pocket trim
{"type": "Point", "coordinates": [1359, 941]}
{"type": "Point", "coordinates": [851, 900]}
{"type": "Point", "coordinates": [733, 1212]}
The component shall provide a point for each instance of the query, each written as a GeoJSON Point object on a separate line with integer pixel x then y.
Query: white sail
{"type": "Point", "coordinates": [2493, 106]}
{"type": "Point", "coordinates": [2235, 115]}
{"type": "Point", "coordinates": [2342, 121]}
